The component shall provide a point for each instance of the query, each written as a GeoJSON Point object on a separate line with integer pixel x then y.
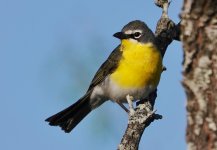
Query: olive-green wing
{"type": "Point", "coordinates": [107, 67]}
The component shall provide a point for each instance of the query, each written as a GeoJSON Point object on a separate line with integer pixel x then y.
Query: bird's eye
{"type": "Point", "coordinates": [137, 35]}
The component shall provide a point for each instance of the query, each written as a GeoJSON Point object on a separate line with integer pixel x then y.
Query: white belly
{"type": "Point", "coordinates": [108, 90]}
{"type": "Point", "coordinates": [117, 93]}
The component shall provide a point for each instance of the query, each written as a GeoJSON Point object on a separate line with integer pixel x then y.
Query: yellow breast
{"type": "Point", "coordinates": [140, 66]}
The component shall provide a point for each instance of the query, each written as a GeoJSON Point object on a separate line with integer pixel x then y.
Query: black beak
{"type": "Point", "coordinates": [121, 35]}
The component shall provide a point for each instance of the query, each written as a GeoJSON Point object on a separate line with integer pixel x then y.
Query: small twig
{"type": "Point", "coordinates": [166, 30]}
{"type": "Point", "coordinates": [162, 4]}
{"type": "Point", "coordinates": [164, 68]}
{"type": "Point", "coordinates": [165, 9]}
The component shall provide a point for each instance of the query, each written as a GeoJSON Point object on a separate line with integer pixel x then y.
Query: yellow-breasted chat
{"type": "Point", "coordinates": [133, 68]}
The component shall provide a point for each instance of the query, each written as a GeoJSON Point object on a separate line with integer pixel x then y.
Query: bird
{"type": "Point", "coordinates": [132, 71]}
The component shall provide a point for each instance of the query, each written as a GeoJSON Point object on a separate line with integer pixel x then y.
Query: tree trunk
{"type": "Point", "coordinates": [199, 36]}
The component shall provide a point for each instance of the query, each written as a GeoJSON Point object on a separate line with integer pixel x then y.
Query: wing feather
{"type": "Point", "coordinates": [107, 67]}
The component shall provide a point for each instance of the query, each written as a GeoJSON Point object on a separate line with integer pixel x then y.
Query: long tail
{"type": "Point", "coordinates": [68, 118]}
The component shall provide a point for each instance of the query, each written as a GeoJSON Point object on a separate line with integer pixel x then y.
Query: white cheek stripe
{"type": "Point", "coordinates": [132, 31]}
{"type": "Point", "coordinates": [128, 32]}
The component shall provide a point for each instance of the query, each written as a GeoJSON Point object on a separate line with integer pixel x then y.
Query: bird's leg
{"type": "Point", "coordinates": [123, 107]}
{"type": "Point", "coordinates": [130, 102]}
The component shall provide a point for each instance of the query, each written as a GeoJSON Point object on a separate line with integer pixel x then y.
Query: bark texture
{"type": "Point", "coordinates": [199, 36]}
{"type": "Point", "coordinates": [138, 121]}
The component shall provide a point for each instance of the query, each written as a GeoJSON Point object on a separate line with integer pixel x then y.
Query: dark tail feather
{"type": "Point", "coordinates": [68, 118]}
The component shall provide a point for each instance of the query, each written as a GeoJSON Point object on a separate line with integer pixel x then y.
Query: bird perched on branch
{"type": "Point", "coordinates": [133, 68]}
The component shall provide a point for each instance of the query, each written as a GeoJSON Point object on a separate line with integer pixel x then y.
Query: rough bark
{"type": "Point", "coordinates": [199, 36]}
{"type": "Point", "coordinates": [166, 32]}
{"type": "Point", "coordinates": [141, 118]}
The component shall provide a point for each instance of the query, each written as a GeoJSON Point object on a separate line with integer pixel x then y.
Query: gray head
{"type": "Point", "coordinates": [136, 30]}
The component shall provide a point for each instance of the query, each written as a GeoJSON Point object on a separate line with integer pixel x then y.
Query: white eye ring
{"type": "Point", "coordinates": [137, 34]}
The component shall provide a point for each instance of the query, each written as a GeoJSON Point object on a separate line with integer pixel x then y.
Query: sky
{"type": "Point", "coordinates": [49, 52]}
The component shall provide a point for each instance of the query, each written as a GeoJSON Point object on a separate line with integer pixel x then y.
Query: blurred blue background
{"type": "Point", "coordinates": [49, 52]}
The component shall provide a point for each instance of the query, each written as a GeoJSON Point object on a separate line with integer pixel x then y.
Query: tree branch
{"type": "Point", "coordinates": [138, 121]}
{"type": "Point", "coordinates": [166, 32]}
